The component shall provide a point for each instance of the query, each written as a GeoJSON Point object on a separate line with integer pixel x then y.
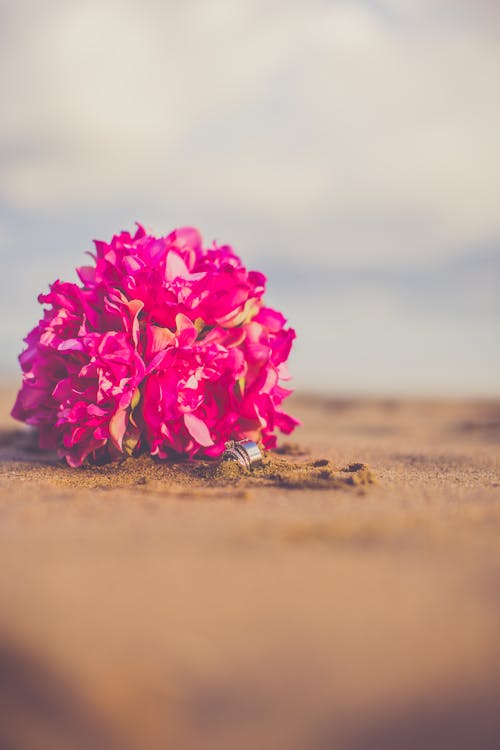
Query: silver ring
{"type": "Point", "coordinates": [244, 452]}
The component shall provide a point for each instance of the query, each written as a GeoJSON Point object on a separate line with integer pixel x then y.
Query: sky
{"type": "Point", "coordinates": [349, 149]}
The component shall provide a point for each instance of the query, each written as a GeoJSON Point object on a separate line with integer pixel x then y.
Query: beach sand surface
{"type": "Point", "coordinates": [146, 608]}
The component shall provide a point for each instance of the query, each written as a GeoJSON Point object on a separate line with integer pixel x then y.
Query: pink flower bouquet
{"type": "Point", "coordinates": [165, 347]}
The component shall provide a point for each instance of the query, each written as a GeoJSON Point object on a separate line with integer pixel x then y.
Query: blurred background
{"type": "Point", "coordinates": [348, 149]}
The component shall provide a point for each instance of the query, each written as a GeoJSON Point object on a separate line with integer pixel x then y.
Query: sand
{"type": "Point", "coordinates": [344, 595]}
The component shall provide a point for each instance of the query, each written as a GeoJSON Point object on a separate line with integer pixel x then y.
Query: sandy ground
{"type": "Point", "coordinates": [142, 611]}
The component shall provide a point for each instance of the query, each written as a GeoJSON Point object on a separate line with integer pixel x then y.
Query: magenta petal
{"type": "Point", "coordinates": [285, 422]}
{"type": "Point", "coordinates": [198, 429]}
{"type": "Point", "coordinates": [86, 274]}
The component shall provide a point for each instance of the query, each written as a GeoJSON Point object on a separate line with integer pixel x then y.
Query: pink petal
{"type": "Point", "coordinates": [132, 264]}
{"type": "Point", "coordinates": [283, 371]}
{"type": "Point", "coordinates": [175, 267]}
{"type": "Point", "coordinates": [71, 344]}
{"type": "Point", "coordinates": [198, 429]}
{"type": "Point", "coordinates": [186, 330]}
{"type": "Point", "coordinates": [158, 339]}
{"type": "Point", "coordinates": [135, 306]}
{"type": "Point", "coordinates": [117, 427]}
{"type": "Point", "coordinates": [185, 237]}
{"type": "Point", "coordinates": [183, 323]}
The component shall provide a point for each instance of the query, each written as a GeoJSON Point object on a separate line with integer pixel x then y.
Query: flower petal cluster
{"type": "Point", "coordinates": [165, 346]}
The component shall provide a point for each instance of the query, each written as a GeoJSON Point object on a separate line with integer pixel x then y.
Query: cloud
{"type": "Point", "coordinates": [372, 127]}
